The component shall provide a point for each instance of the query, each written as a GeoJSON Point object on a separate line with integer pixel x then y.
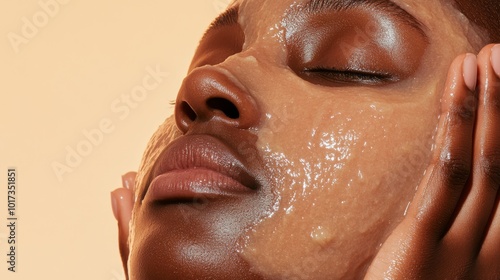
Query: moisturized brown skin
{"type": "Point", "coordinates": [330, 151]}
{"type": "Point", "coordinates": [485, 14]}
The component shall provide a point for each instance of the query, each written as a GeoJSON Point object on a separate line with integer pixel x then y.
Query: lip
{"type": "Point", "coordinates": [198, 167]}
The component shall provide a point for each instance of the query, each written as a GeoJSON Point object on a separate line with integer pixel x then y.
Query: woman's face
{"type": "Point", "coordinates": [306, 127]}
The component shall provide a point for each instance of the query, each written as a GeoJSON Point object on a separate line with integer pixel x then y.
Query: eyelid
{"type": "Point", "coordinates": [348, 75]}
{"type": "Point", "coordinates": [389, 7]}
{"type": "Point", "coordinates": [376, 73]}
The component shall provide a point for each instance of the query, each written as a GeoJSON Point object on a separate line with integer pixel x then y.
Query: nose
{"type": "Point", "coordinates": [210, 95]}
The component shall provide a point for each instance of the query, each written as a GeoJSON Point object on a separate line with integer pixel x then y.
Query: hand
{"type": "Point", "coordinates": [452, 228]}
{"type": "Point", "coordinates": [122, 202]}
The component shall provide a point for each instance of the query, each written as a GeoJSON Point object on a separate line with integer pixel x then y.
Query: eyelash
{"type": "Point", "coordinates": [351, 75]}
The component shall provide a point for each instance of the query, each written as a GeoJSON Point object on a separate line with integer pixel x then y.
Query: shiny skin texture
{"type": "Point", "coordinates": [338, 139]}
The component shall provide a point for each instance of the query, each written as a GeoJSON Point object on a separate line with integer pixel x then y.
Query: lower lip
{"type": "Point", "coordinates": [195, 184]}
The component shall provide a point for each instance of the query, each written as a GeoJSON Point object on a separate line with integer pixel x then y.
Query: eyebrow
{"type": "Point", "coordinates": [230, 16]}
{"type": "Point", "coordinates": [319, 6]}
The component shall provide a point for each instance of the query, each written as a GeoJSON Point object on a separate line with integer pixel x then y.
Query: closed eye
{"type": "Point", "coordinates": [350, 76]}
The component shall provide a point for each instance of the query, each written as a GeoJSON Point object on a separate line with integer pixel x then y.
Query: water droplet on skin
{"type": "Point", "coordinates": [406, 210]}
{"type": "Point", "coordinates": [360, 175]}
{"type": "Point", "coordinates": [321, 236]}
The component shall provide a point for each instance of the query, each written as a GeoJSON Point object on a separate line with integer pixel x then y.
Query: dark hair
{"type": "Point", "coordinates": [483, 13]}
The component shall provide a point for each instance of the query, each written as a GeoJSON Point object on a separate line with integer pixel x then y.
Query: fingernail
{"type": "Point", "coordinates": [128, 180]}
{"type": "Point", "coordinates": [122, 201]}
{"type": "Point", "coordinates": [114, 205]}
{"type": "Point", "coordinates": [495, 59]}
{"type": "Point", "coordinates": [470, 71]}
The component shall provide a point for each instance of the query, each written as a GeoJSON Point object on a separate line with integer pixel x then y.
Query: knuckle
{"type": "Point", "coordinates": [470, 103]}
{"type": "Point", "coordinates": [462, 114]}
{"type": "Point", "coordinates": [455, 171]}
{"type": "Point", "coordinates": [489, 166]}
{"type": "Point", "coordinates": [491, 98]}
{"type": "Point", "coordinates": [466, 270]}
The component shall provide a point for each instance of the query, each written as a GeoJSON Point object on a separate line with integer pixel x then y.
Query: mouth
{"type": "Point", "coordinates": [195, 168]}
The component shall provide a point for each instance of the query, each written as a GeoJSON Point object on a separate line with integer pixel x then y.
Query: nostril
{"type": "Point", "coordinates": [190, 113]}
{"type": "Point", "coordinates": [225, 106]}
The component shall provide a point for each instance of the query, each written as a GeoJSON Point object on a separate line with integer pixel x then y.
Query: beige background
{"type": "Point", "coordinates": [62, 77]}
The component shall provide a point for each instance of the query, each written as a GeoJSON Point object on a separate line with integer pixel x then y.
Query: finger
{"type": "Point", "coordinates": [489, 252]}
{"type": "Point", "coordinates": [451, 83]}
{"type": "Point", "coordinates": [128, 180]}
{"type": "Point", "coordinates": [489, 256]}
{"type": "Point", "coordinates": [475, 214]}
{"type": "Point", "coordinates": [451, 162]}
{"type": "Point", "coordinates": [122, 201]}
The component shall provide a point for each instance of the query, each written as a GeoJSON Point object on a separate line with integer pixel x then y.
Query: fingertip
{"type": "Point", "coordinates": [454, 81]}
{"type": "Point", "coordinates": [114, 205]}
{"type": "Point", "coordinates": [495, 59]}
{"type": "Point", "coordinates": [470, 71]}
{"type": "Point", "coordinates": [128, 180]}
{"type": "Point", "coordinates": [122, 202]}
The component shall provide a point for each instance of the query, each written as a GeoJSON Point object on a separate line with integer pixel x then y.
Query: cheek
{"type": "Point", "coordinates": [343, 169]}
{"type": "Point", "coordinates": [165, 134]}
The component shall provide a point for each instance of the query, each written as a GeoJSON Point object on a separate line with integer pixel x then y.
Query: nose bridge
{"type": "Point", "coordinates": [214, 94]}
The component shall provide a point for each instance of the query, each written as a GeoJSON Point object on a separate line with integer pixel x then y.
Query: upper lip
{"type": "Point", "coordinates": [202, 152]}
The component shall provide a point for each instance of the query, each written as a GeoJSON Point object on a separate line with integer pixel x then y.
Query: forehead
{"type": "Point", "coordinates": [285, 5]}
{"type": "Point", "coordinates": [422, 10]}
{"type": "Point", "coordinates": [270, 12]}
{"type": "Point", "coordinates": [440, 18]}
